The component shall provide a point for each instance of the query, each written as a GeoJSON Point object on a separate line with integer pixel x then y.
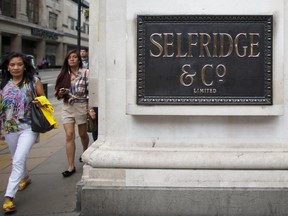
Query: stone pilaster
{"type": "Point", "coordinates": [167, 156]}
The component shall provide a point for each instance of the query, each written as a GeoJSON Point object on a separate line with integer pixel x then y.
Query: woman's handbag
{"type": "Point", "coordinates": [91, 124]}
{"type": "Point", "coordinates": [39, 123]}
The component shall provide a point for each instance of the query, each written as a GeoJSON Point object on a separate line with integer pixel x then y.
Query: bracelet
{"type": "Point", "coordinates": [91, 110]}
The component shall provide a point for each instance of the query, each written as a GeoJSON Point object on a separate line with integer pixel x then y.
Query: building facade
{"type": "Point", "coordinates": [46, 29]}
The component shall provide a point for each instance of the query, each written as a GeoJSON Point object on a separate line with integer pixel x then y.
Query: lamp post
{"type": "Point", "coordinates": [79, 27]}
{"type": "Point", "coordinates": [84, 4]}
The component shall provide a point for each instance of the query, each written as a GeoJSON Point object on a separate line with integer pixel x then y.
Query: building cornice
{"type": "Point", "coordinates": [23, 23]}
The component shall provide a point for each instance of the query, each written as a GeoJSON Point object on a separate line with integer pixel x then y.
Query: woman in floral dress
{"type": "Point", "coordinates": [16, 91]}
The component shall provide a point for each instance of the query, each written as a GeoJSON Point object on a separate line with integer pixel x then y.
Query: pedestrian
{"type": "Point", "coordinates": [84, 57]}
{"type": "Point", "coordinates": [85, 64]}
{"type": "Point", "coordinates": [72, 87]}
{"type": "Point", "coordinates": [19, 81]}
{"type": "Point", "coordinates": [95, 133]}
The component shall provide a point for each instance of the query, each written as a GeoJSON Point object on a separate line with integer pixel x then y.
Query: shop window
{"type": "Point", "coordinates": [33, 11]}
{"type": "Point", "coordinates": [6, 43]}
{"type": "Point", "coordinates": [28, 46]}
{"type": "Point", "coordinates": [52, 20]}
{"type": "Point", "coordinates": [8, 8]}
{"type": "Point", "coordinates": [51, 54]}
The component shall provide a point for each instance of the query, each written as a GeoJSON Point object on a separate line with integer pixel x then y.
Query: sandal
{"type": "Point", "coordinates": [9, 207]}
{"type": "Point", "coordinates": [23, 184]}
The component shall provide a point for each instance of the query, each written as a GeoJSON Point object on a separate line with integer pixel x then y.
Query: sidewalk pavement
{"type": "Point", "coordinates": [49, 193]}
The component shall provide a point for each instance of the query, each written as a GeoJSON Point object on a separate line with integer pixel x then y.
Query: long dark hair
{"type": "Point", "coordinates": [64, 78]}
{"type": "Point", "coordinates": [27, 75]}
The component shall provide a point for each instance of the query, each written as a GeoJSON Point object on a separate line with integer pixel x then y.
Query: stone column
{"type": "Point", "coordinates": [64, 50]}
{"type": "Point", "coordinates": [59, 54]}
{"type": "Point", "coordinates": [22, 10]}
{"type": "Point", "coordinates": [16, 43]}
{"type": "Point", "coordinates": [179, 159]}
{"type": "Point", "coordinates": [40, 50]}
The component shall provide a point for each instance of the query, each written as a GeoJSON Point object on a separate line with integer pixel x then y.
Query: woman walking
{"type": "Point", "coordinates": [72, 87]}
{"type": "Point", "coordinates": [19, 81]}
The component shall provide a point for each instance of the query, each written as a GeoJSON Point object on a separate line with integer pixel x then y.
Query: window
{"type": "Point", "coordinates": [8, 8]}
{"type": "Point", "coordinates": [85, 28]}
{"type": "Point", "coordinates": [52, 20]}
{"type": "Point", "coordinates": [33, 11]}
{"type": "Point", "coordinates": [73, 23]}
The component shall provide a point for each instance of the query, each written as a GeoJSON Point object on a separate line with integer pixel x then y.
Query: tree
{"type": "Point", "coordinates": [86, 14]}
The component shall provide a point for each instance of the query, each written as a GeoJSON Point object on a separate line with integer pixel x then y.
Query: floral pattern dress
{"type": "Point", "coordinates": [15, 109]}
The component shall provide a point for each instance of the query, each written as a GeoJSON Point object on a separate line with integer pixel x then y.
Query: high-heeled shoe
{"type": "Point", "coordinates": [68, 173]}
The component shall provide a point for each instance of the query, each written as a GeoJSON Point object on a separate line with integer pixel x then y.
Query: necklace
{"type": "Point", "coordinates": [73, 76]}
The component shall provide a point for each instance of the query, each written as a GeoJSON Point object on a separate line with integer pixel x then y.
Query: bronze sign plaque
{"type": "Point", "coordinates": [204, 59]}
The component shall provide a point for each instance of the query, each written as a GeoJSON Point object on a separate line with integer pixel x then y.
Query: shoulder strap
{"type": "Point", "coordinates": [86, 89]}
{"type": "Point", "coordinates": [33, 88]}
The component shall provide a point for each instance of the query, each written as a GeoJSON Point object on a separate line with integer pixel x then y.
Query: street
{"type": "Point", "coordinates": [49, 77]}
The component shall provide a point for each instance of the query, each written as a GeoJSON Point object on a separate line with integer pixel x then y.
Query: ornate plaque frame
{"type": "Point", "coordinates": [183, 59]}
